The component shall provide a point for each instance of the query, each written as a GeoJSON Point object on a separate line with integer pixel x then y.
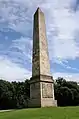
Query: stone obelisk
{"type": "Point", "coordinates": [41, 83]}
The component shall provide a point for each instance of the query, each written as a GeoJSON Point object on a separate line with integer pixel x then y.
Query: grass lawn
{"type": "Point", "coordinates": [43, 113]}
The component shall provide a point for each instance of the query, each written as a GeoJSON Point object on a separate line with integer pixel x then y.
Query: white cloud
{"type": "Point", "coordinates": [65, 49]}
{"type": "Point", "coordinates": [11, 71]}
{"type": "Point", "coordinates": [23, 44]}
{"type": "Point", "coordinates": [20, 51]}
{"type": "Point", "coordinates": [61, 28]}
{"type": "Point", "coordinates": [67, 76]}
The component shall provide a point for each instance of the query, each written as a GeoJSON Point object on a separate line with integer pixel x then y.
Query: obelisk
{"type": "Point", "coordinates": [41, 83]}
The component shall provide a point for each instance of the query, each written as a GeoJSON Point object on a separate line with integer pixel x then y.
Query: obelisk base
{"type": "Point", "coordinates": [44, 103]}
{"type": "Point", "coordinates": [42, 92]}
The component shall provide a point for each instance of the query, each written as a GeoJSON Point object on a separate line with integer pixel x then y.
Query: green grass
{"type": "Point", "coordinates": [43, 113]}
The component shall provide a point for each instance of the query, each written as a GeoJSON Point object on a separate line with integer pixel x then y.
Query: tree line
{"type": "Point", "coordinates": [66, 92]}
{"type": "Point", "coordinates": [15, 95]}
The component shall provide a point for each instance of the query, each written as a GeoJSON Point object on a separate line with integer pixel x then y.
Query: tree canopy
{"type": "Point", "coordinates": [66, 92]}
{"type": "Point", "coordinates": [14, 94]}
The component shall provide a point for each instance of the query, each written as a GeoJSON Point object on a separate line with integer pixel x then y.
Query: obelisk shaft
{"type": "Point", "coordinates": [40, 62]}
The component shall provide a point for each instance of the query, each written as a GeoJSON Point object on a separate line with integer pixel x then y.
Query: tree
{"type": "Point", "coordinates": [66, 92]}
{"type": "Point", "coordinates": [14, 94]}
{"type": "Point", "coordinates": [5, 94]}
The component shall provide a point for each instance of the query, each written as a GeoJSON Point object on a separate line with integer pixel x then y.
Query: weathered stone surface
{"type": "Point", "coordinates": [35, 89]}
{"type": "Point", "coordinates": [47, 90]}
{"type": "Point", "coordinates": [40, 64]}
{"type": "Point", "coordinates": [41, 83]}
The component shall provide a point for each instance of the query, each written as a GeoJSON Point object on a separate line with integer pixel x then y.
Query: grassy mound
{"type": "Point", "coordinates": [42, 113]}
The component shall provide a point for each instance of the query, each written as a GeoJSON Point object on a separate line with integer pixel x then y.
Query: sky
{"type": "Point", "coordinates": [16, 31]}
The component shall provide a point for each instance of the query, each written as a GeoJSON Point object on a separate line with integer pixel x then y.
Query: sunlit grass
{"type": "Point", "coordinates": [42, 113]}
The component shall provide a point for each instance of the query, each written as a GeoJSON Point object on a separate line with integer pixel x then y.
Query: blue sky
{"type": "Point", "coordinates": [16, 28]}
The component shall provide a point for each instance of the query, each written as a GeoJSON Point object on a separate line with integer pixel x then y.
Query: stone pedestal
{"type": "Point", "coordinates": [42, 91]}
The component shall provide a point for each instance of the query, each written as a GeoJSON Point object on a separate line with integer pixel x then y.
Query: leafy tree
{"type": "Point", "coordinates": [14, 95]}
{"type": "Point", "coordinates": [66, 92]}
